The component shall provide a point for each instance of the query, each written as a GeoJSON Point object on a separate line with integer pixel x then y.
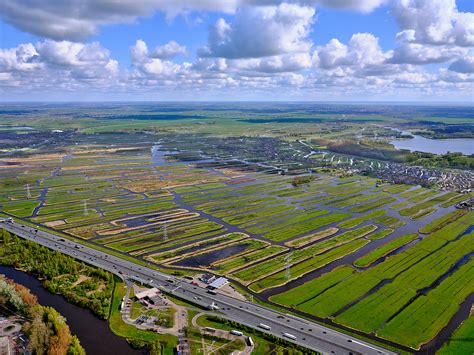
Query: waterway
{"type": "Point", "coordinates": [94, 334]}
{"type": "Point", "coordinates": [435, 146]}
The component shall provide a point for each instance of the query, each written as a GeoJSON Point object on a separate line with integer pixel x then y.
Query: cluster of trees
{"type": "Point", "coordinates": [300, 180]}
{"type": "Point", "coordinates": [449, 160]}
{"type": "Point", "coordinates": [152, 347]}
{"type": "Point", "coordinates": [58, 272]}
{"type": "Point", "coordinates": [365, 149]}
{"type": "Point", "coordinates": [47, 330]}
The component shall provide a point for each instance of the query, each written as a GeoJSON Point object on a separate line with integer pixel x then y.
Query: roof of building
{"type": "Point", "coordinates": [219, 282]}
{"type": "Point", "coordinates": [147, 293]}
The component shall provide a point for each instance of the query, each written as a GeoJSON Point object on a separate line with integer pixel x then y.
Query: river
{"type": "Point", "coordinates": [94, 334]}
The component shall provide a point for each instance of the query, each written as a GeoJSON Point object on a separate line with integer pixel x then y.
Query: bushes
{"type": "Point", "coordinates": [59, 272]}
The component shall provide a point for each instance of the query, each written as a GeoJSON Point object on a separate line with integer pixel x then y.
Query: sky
{"type": "Point", "coordinates": [264, 50]}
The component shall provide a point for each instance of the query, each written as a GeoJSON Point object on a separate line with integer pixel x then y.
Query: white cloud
{"type": "Point", "coordinates": [147, 64]}
{"type": "Point", "coordinates": [362, 51]}
{"type": "Point", "coordinates": [416, 53]}
{"type": "Point", "coordinates": [169, 50]}
{"type": "Point", "coordinates": [21, 58]}
{"type": "Point", "coordinates": [50, 65]}
{"type": "Point", "coordinates": [261, 31]}
{"type": "Point", "coordinates": [435, 22]}
{"type": "Point", "coordinates": [77, 20]}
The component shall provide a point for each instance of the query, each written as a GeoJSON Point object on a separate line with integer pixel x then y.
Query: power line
{"type": "Point", "coordinates": [86, 211]}
{"type": "Point", "coordinates": [165, 231]}
{"type": "Point", "coordinates": [288, 265]}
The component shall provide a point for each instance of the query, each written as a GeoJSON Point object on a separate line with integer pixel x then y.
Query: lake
{"type": "Point", "coordinates": [435, 146]}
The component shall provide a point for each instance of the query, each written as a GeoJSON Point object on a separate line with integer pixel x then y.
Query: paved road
{"type": "Point", "coordinates": [306, 333]}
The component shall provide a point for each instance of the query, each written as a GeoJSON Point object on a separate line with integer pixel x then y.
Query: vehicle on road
{"type": "Point", "coordinates": [289, 336]}
{"type": "Point", "coordinates": [264, 326]}
{"type": "Point", "coordinates": [249, 341]}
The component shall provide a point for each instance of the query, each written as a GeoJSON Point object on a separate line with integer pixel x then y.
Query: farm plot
{"type": "Point", "coordinates": [354, 222]}
{"type": "Point", "coordinates": [313, 288]}
{"type": "Point", "coordinates": [313, 237]}
{"type": "Point", "coordinates": [373, 205]}
{"type": "Point", "coordinates": [247, 259]}
{"type": "Point", "coordinates": [196, 248]}
{"type": "Point", "coordinates": [261, 270]}
{"type": "Point", "coordinates": [427, 269]}
{"type": "Point", "coordinates": [427, 315]}
{"type": "Point", "coordinates": [156, 239]}
{"type": "Point", "coordinates": [414, 210]}
{"type": "Point", "coordinates": [380, 252]}
{"type": "Point", "coordinates": [308, 265]}
{"type": "Point", "coordinates": [206, 257]}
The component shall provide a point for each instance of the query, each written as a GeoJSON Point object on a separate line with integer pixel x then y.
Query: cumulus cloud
{"type": "Point", "coordinates": [169, 50]}
{"type": "Point", "coordinates": [76, 20]}
{"type": "Point", "coordinates": [146, 63]}
{"type": "Point", "coordinates": [416, 53]}
{"type": "Point", "coordinates": [362, 51]}
{"type": "Point", "coordinates": [435, 22]}
{"type": "Point", "coordinates": [260, 32]}
{"type": "Point", "coordinates": [62, 64]}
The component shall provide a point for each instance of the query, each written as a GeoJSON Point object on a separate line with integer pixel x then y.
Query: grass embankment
{"type": "Point", "coordinates": [319, 254]}
{"type": "Point", "coordinates": [415, 210]}
{"type": "Point", "coordinates": [380, 252]}
{"type": "Point", "coordinates": [264, 343]}
{"type": "Point", "coordinates": [79, 283]}
{"type": "Point", "coordinates": [461, 341]}
{"type": "Point", "coordinates": [354, 222]}
{"type": "Point", "coordinates": [136, 337]}
{"type": "Point", "coordinates": [442, 221]}
{"type": "Point", "coordinates": [412, 270]}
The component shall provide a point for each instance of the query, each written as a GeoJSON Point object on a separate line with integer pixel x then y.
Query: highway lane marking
{"type": "Point", "coordinates": [48, 238]}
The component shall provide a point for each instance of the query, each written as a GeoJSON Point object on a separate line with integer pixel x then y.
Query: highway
{"type": "Point", "coordinates": [291, 328]}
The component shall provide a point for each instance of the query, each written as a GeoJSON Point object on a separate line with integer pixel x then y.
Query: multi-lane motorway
{"type": "Point", "coordinates": [294, 329]}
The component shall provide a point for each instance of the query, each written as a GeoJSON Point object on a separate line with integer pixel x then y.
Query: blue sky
{"type": "Point", "coordinates": [377, 50]}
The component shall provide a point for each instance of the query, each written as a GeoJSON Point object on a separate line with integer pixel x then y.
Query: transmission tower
{"type": "Point", "coordinates": [86, 211]}
{"type": "Point", "coordinates": [28, 192]}
{"type": "Point", "coordinates": [165, 232]}
{"type": "Point", "coordinates": [288, 264]}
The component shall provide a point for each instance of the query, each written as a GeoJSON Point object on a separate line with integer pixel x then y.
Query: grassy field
{"type": "Point", "coordinates": [413, 269]}
{"type": "Point", "coordinates": [380, 252]}
{"type": "Point", "coordinates": [460, 341]}
{"type": "Point", "coordinates": [119, 327]}
{"type": "Point", "coordinates": [120, 200]}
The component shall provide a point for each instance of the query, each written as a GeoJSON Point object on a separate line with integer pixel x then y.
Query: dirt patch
{"type": "Point", "coordinates": [80, 280]}
{"type": "Point", "coordinates": [55, 223]}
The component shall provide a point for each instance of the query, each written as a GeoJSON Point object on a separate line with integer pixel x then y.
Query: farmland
{"type": "Point", "coordinates": [352, 249]}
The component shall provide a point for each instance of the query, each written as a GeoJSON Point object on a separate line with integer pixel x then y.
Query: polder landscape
{"type": "Point", "coordinates": [306, 208]}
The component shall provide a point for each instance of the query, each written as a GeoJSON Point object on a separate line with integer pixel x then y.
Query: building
{"type": "Point", "coordinates": [147, 295]}
{"type": "Point", "coordinates": [207, 278]}
{"type": "Point", "coordinates": [218, 283]}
